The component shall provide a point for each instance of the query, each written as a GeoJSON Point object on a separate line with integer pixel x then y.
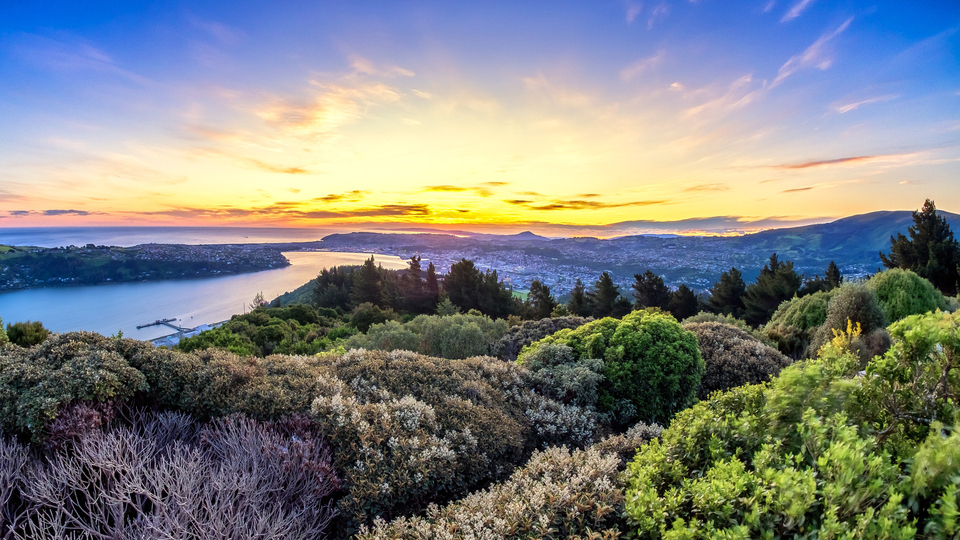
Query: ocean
{"type": "Point", "coordinates": [132, 236]}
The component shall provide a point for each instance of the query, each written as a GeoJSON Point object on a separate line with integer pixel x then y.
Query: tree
{"type": "Point", "coordinates": [332, 287]}
{"type": "Point", "coordinates": [603, 296]}
{"type": "Point", "coordinates": [726, 296]}
{"type": "Point", "coordinates": [833, 277]}
{"type": "Point", "coordinates": [27, 334]}
{"type": "Point", "coordinates": [650, 291]}
{"type": "Point", "coordinates": [683, 302]}
{"type": "Point", "coordinates": [367, 284]}
{"type": "Point", "coordinates": [931, 251]}
{"type": "Point", "coordinates": [776, 283]}
{"type": "Point", "coordinates": [432, 285]}
{"type": "Point", "coordinates": [258, 301]}
{"type": "Point", "coordinates": [462, 285]}
{"type": "Point", "coordinates": [540, 302]}
{"type": "Point", "coordinates": [579, 302]}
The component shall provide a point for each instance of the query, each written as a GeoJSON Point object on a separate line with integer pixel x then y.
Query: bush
{"type": "Point", "coordinates": [452, 336]}
{"type": "Point", "coordinates": [706, 316]}
{"type": "Point", "coordinates": [818, 452]}
{"type": "Point", "coordinates": [652, 365]}
{"type": "Point", "coordinates": [733, 358]}
{"type": "Point", "coordinates": [804, 312]}
{"type": "Point", "coordinates": [856, 304]}
{"type": "Point", "coordinates": [167, 476]}
{"type": "Point", "coordinates": [36, 382]}
{"type": "Point", "coordinates": [27, 334]}
{"type": "Point", "coordinates": [903, 293]}
{"type": "Point", "coordinates": [557, 494]}
{"type": "Point", "coordinates": [366, 315]}
{"type": "Point", "coordinates": [557, 374]}
{"type": "Point", "coordinates": [509, 346]}
{"type": "Point", "coordinates": [410, 430]}
{"type": "Point", "coordinates": [3, 335]}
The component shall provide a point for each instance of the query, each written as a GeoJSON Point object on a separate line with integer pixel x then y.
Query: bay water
{"type": "Point", "coordinates": [122, 306]}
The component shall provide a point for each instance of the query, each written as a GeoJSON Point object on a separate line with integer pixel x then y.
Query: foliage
{"type": "Point", "coordinates": [733, 357]}
{"type": "Point", "coordinates": [931, 251]}
{"type": "Point", "coordinates": [833, 277]}
{"type": "Point", "coordinates": [706, 316]}
{"type": "Point", "coordinates": [579, 304]}
{"type": "Point", "coordinates": [366, 315]}
{"type": "Point", "coordinates": [454, 336]}
{"type": "Point", "coordinates": [558, 375]}
{"type": "Point", "coordinates": [410, 430]}
{"type": "Point", "coordinates": [803, 312]}
{"type": "Point", "coordinates": [652, 365]}
{"type": "Point", "coordinates": [36, 382]}
{"type": "Point", "coordinates": [683, 302]}
{"type": "Point", "coordinates": [166, 476]}
{"type": "Point", "coordinates": [726, 296]}
{"type": "Point", "coordinates": [777, 282]}
{"type": "Point", "coordinates": [903, 293]}
{"type": "Point", "coordinates": [446, 308]}
{"type": "Point", "coordinates": [509, 346]}
{"type": "Point", "coordinates": [294, 329]}
{"type": "Point", "coordinates": [650, 291]}
{"type": "Point", "coordinates": [604, 299]}
{"type": "Point", "coordinates": [540, 303]}
{"type": "Point", "coordinates": [469, 288]}
{"type": "Point", "coordinates": [27, 334]}
{"type": "Point", "coordinates": [854, 303]}
{"type": "Point", "coordinates": [4, 339]}
{"type": "Point", "coordinates": [818, 452]}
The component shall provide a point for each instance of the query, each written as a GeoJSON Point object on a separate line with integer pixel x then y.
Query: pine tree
{"type": "Point", "coordinates": [726, 296]}
{"type": "Point", "coordinates": [367, 284]}
{"type": "Point", "coordinates": [683, 303]}
{"type": "Point", "coordinates": [579, 303]}
{"type": "Point", "coordinates": [603, 296]}
{"type": "Point", "coordinates": [650, 291]}
{"type": "Point", "coordinates": [931, 251]}
{"type": "Point", "coordinates": [777, 282]}
{"type": "Point", "coordinates": [833, 276]}
{"type": "Point", "coordinates": [432, 285]}
{"type": "Point", "coordinates": [540, 302]}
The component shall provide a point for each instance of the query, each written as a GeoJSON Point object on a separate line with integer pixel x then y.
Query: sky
{"type": "Point", "coordinates": [723, 116]}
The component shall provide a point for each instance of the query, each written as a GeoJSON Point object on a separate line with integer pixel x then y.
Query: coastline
{"type": "Point", "coordinates": [171, 340]}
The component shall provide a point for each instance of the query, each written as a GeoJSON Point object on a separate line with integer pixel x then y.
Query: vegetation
{"type": "Point", "coordinates": [733, 358]}
{"type": "Point", "coordinates": [26, 334]}
{"type": "Point", "coordinates": [931, 250]}
{"type": "Point", "coordinates": [903, 293]}
{"type": "Point", "coordinates": [509, 346]}
{"type": "Point", "coordinates": [454, 336]}
{"type": "Point", "coordinates": [652, 366]}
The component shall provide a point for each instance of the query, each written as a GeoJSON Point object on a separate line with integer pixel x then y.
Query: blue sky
{"type": "Point", "coordinates": [485, 115]}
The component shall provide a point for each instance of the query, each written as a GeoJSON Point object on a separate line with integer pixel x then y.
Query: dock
{"type": "Point", "coordinates": [165, 322]}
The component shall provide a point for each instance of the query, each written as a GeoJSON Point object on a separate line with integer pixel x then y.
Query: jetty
{"type": "Point", "coordinates": [165, 322]}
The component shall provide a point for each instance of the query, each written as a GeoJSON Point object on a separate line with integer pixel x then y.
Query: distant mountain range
{"type": "Point", "coordinates": [854, 243]}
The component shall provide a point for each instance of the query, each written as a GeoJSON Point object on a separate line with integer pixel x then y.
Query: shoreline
{"type": "Point", "coordinates": [171, 340]}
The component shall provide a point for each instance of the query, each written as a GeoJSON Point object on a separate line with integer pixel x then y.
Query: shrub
{"type": "Point", "coordinates": [902, 293]}
{"type": "Point", "coordinates": [853, 303]}
{"type": "Point", "coordinates": [3, 335]}
{"type": "Point", "coordinates": [366, 315]}
{"type": "Point", "coordinates": [804, 312]}
{"type": "Point", "coordinates": [36, 382]}
{"type": "Point", "coordinates": [557, 374]}
{"type": "Point", "coordinates": [817, 452]}
{"type": "Point", "coordinates": [167, 477]}
{"type": "Point", "coordinates": [733, 357]}
{"type": "Point", "coordinates": [509, 346]}
{"type": "Point", "coordinates": [27, 334]}
{"type": "Point", "coordinates": [410, 430]}
{"type": "Point", "coordinates": [557, 494]}
{"type": "Point", "coordinates": [452, 336]}
{"type": "Point", "coordinates": [652, 365]}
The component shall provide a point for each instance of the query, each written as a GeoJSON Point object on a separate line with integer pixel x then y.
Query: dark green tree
{"type": "Point", "coordinates": [683, 303]}
{"type": "Point", "coordinates": [931, 251]}
{"type": "Point", "coordinates": [649, 291]}
{"type": "Point", "coordinates": [833, 276]}
{"type": "Point", "coordinates": [462, 285]}
{"type": "Point", "coordinates": [540, 302]}
{"type": "Point", "coordinates": [603, 297]}
{"type": "Point", "coordinates": [332, 287]}
{"type": "Point", "coordinates": [27, 334]}
{"type": "Point", "coordinates": [726, 296]}
{"type": "Point", "coordinates": [367, 284]}
{"type": "Point", "coordinates": [777, 282]}
{"type": "Point", "coordinates": [432, 285]}
{"type": "Point", "coordinates": [579, 302]}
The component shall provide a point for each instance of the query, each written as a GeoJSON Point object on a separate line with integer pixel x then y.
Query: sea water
{"type": "Point", "coordinates": [122, 306]}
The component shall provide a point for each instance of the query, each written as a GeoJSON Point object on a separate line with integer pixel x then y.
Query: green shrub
{"type": "Point", "coordinates": [222, 338]}
{"type": "Point", "coordinates": [817, 452]}
{"type": "Point", "coordinates": [36, 382]}
{"type": "Point", "coordinates": [706, 316]}
{"type": "Point", "coordinates": [366, 315]}
{"type": "Point", "coordinates": [27, 334]}
{"type": "Point", "coordinates": [856, 304]}
{"type": "Point", "coordinates": [804, 312]}
{"type": "Point", "coordinates": [733, 357]}
{"type": "Point", "coordinates": [509, 346]}
{"type": "Point", "coordinates": [652, 365]}
{"type": "Point", "coordinates": [557, 494]}
{"type": "Point", "coordinates": [4, 339]}
{"type": "Point", "coordinates": [557, 374]}
{"type": "Point", "coordinates": [452, 336]}
{"type": "Point", "coordinates": [903, 293]}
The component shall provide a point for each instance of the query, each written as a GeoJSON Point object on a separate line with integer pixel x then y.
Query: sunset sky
{"type": "Point", "coordinates": [353, 114]}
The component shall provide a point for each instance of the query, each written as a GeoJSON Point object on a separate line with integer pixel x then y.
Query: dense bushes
{"type": "Point", "coordinates": [652, 366]}
{"type": "Point", "coordinates": [557, 494]}
{"type": "Point", "coordinates": [733, 357]}
{"type": "Point", "coordinates": [167, 476]}
{"type": "Point", "coordinates": [903, 293]}
{"type": "Point", "coordinates": [26, 334]}
{"type": "Point", "coordinates": [509, 346]}
{"type": "Point", "coordinates": [817, 452]}
{"type": "Point", "coordinates": [453, 336]}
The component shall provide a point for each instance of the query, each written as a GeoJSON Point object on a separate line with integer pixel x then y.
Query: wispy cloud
{"type": "Point", "coordinates": [447, 188]}
{"type": "Point", "coordinates": [70, 55]}
{"type": "Point", "coordinates": [640, 66]}
{"type": "Point", "coordinates": [24, 213]}
{"type": "Point", "coordinates": [847, 107]}
{"type": "Point", "coordinates": [816, 55]}
{"type": "Point", "coordinates": [224, 34]}
{"type": "Point", "coordinates": [367, 67]}
{"type": "Point", "coordinates": [739, 93]}
{"type": "Point", "coordinates": [296, 210]}
{"type": "Point", "coordinates": [854, 160]}
{"type": "Point", "coordinates": [707, 187]}
{"type": "Point", "coordinates": [351, 196]}
{"type": "Point", "coordinates": [579, 204]}
{"type": "Point", "coordinates": [796, 10]}
{"type": "Point", "coordinates": [658, 14]}
{"type": "Point", "coordinates": [633, 10]}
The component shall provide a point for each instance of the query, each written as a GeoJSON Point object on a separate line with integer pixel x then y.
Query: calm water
{"type": "Point", "coordinates": [122, 306]}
